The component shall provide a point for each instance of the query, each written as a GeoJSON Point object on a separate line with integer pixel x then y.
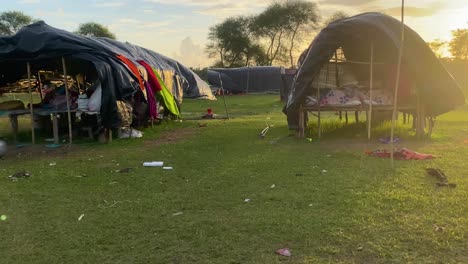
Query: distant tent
{"type": "Point", "coordinates": [343, 49]}
{"type": "Point", "coordinates": [43, 45]}
{"type": "Point", "coordinates": [262, 79]}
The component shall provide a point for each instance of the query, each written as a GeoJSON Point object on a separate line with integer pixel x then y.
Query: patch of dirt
{"type": "Point", "coordinates": [34, 151]}
{"type": "Point", "coordinates": [360, 145]}
{"type": "Point", "coordinates": [173, 136]}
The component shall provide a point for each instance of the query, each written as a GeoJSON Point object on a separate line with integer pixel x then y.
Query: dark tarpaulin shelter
{"type": "Point", "coordinates": [436, 88]}
{"type": "Point", "coordinates": [43, 45]}
{"type": "Point", "coordinates": [261, 79]}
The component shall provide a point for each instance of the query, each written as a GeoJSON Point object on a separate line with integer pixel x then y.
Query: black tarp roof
{"type": "Point", "coordinates": [40, 42]}
{"type": "Point", "coordinates": [260, 79]}
{"type": "Point", "coordinates": [439, 91]}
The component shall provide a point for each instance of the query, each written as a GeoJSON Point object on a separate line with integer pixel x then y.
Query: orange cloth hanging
{"type": "Point", "coordinates": [133, 68]}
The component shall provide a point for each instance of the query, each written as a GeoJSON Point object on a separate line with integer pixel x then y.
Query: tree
{"type": "Point", "coordinates": [437, 47]}
{"type": "Point", "coordinates": [300, 15]}
{"type": "Point", "coordinates": [271, 25]}
{"type": "Point", "coordinates": [459, 44]}
{"type": "Point", "coordinates": [279, 26]}
{"type": "Point", "coordinates": [12, 21]}
{"type": "Point", "coordinates": [231, 42]}
{"type": "Point", "coordinates": [336, 16]}
{"type": "Point", "coordinates": [92, 29]}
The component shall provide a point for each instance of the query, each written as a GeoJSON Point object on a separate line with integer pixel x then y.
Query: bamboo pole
{"type": "Point", "coordinates": [248, 79]}
{"type": "Point", "coordinates": [33, 134]}
{"type": "Point", "coordinates": [371, 86]}
{"type": "Point", "coordinates": [70, 134]}
{"type": "Point", "coordinates": [397, 82]}
{"type": "Point", "coordinates": [224, 97]}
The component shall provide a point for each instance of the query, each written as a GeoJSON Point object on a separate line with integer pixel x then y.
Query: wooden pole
{"type": "Point", "coordinates": [65, 81]}
{"type": "Point", "coordinates": [397, 82]}
{"type": "Point", "coordinates": [371, 86]}
{"type": "Point", "coordinates": [31, 111]}
{"type": "Point", "coordinates": [224, 97]}
{"type": "Point", "coordinates": [248, 79]}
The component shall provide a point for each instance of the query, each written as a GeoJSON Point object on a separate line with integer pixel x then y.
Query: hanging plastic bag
{"type": "Point", "coordinates": [94, 104]}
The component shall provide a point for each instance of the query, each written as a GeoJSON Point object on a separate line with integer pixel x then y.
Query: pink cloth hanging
{"type": "Point", "coordinates": [152, 103]}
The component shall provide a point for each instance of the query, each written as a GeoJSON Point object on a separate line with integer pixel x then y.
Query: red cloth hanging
{"type": "Point", "coordinates": [152, 79]}
{"type": "Point", "coordinates": [133, 68]}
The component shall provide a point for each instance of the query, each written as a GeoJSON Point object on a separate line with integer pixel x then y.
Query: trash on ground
{"type": "Point", "coordinates": [264, 131]}
{"type": "Point", "coordinates": [209, 114]}
{"type": "Point", "coordinates": [167, 168]}
{"type": "Point", "coordinates": [81, 217]}
{"type": "Point", "coordinates": [53, 145]}
{"type": "Point", "coordinates": [400, 154]}
{"type": "Point", "coordinates": [388, 140]}
{"type": "Point", "coordinates": [359, 248]}
{"type": "Point", "coordinates": [324, 171]}
{"type": "Point", "coordinates": [52, 164]}
{"type": "Point", "coordinates": [20, 174]}
{"type": "Point", "coordinates": [176, 214]}
{"type": "Point", "coordinates": [441, 177]}
{"type": "Point", "coordinates": [273, 186]}
{"type": "Point", "coordinates": [247, 200]}
{"type": "Point", "coordinates": [438, 228]}
{"type": "Point", "coordinates": [124, 170]}
{"type": "Point", "coordinates": [284, 252]}
{"type": "Point", "coordinates": [153, 164]}
{"type": "Point", "coordinates": [3, 217]}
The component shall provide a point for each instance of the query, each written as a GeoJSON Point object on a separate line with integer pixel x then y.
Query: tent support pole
{"type": "Point", "coordinates": [337, 73]}
{"type": "Point", "coordinates": [33, 133]}
{"type": "Point", "coordinates": [224, 96]}
{"type": "Point", "coordinates": [397, 82]}
{"type": "Point", "coordinates": [371, 86]}
{"type": "Point", "coordinates": [248, 78]}
{"type": "Point", "coordinates": [65, 81]}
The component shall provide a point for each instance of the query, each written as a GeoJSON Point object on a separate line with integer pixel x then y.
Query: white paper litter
{"type": "Point", "coordinates": [81, 217]}
{"type": "Point", "coordinates": [167, 168]}
{"type": "Point", "coordinates": [153, 164]}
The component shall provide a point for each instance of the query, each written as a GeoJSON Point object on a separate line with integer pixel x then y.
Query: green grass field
{"type": "Point", "coordinates": [359, 211]}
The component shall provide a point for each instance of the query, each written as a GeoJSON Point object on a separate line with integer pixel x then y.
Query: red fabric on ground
{"type": "Point", "coordinates": [401, 154]}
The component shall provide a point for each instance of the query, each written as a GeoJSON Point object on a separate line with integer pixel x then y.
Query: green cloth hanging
{"type": "Point", "coordinates": [166, 97]}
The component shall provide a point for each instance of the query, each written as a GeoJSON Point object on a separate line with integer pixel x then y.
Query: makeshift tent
{"type": "Point", "coordinates": [261, 79]}
{"type": "Point", "coordinates": [112, 62]}
{"type": "Point", "coordinates": [336, 71]}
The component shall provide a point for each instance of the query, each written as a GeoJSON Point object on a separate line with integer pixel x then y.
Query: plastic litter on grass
{"type": "Point", "coordinates": [284, 252]}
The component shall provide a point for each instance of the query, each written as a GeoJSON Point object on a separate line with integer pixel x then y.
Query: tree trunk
{"type": "Point", "coordinates": [292, 47]}
{"type": "Point", "coordinates": [270, 48]}
{"type": "Point", "coordinates": [221, 57]}
{"type": "Point", "coordinates": [273, 57]}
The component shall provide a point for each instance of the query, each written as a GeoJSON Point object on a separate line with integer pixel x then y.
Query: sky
{"type": "Point", "coordinates": [179, 28]}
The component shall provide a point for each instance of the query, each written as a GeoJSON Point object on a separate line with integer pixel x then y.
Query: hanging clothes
{"type": "Point", "coordinates": [133, 68]}
{"type": "Point", "coordinates": [160, 89]}
{"type": "Point", "coordinates": [152, 104]}
{"type": "Point", "coordinates": [151, 77]}
{"type": "Point", "coordinates": [167, 97]}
